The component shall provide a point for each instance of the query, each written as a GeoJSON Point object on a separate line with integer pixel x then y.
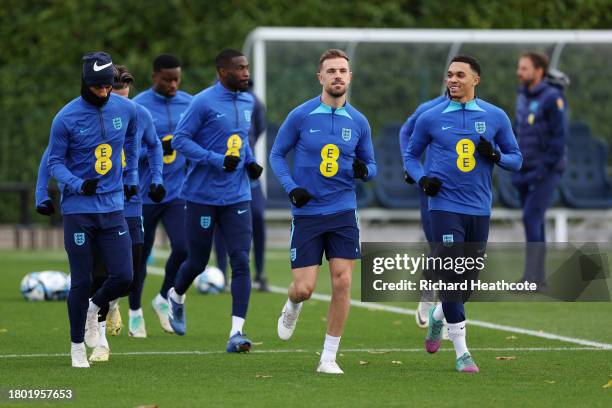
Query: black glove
{"type": "Point", "coordinates": [129, 191]}
{"type": "Point", "coordinates": [157, 192]}
{"type": "Point", "coordinates": [430, 185]}
{"type": "Point", "coordinates": [230, 163]}
{"type": "Point", "coordinates": [407, 178]}
{"type": "Point", "coordinates": [45, 208]}
{"type": "Point", "coordinates": [299, 196]}
{"type": "Point", "coordinates": [254, 170]}
{"type": "Point", "coordinates": [89, 187]}
{"type": "Point", "coordinates": [485, 149]}
{"type": "Point", "coordinates": [360, 170]}
{"type": "Point", "coordinates": [167, 146]}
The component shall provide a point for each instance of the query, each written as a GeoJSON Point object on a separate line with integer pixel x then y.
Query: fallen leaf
{"type": "Point", "coordinates": [549, 381]}
{"type": "Point", "coordinates": [378, 352]}
{"type": "Point", "coordinates": [3, 330]}
{"type": "Point", "coordinates": [396, 362]}
{"type": "Point", "coordinates": [318, 353]}
{"type": "Point", "coordinates": [262, 376]}
{"type": "Point", "coordinates": [511, 338]}
{"type": "Point", "coordinates": [341, 355]}
{"type": "Point", "coordinates": [506, 358]}
{"type": "Point", "coordinates": [363, 362]}
{"type": "Point", "coordinates": [608, 385]}
{"type": "Point", "coordinates": [324, 319]}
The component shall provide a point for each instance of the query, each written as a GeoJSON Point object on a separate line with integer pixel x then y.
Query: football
{"type": "Point", "coordinates": [211, 281]}
{"type": "Point", "coordinates": [45, 285]}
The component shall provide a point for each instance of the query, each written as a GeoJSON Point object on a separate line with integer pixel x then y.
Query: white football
{"type": "Point", "coordinates": [45, 285]}
{"type": "Point", "coordinates": [211, 281]}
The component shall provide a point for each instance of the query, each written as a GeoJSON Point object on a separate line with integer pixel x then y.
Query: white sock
{"type": "Point", "coordinates": [159, 299]}
{"type": "Point", "coordinates": [102, 330]}
{"type": "Point", "coordinates": [456, 333]}
{"type": "Point", "coordinates": [135, 313]}
{"type": "Point", "coordinates": [176, 297]}
{"type": "Point", "coordinates": [237, 323]}
{"type": "Point", "coordinates": [293, 307]}
{"type": "Point", "coordinates": [330, 348]}
{"type": "Point", "coordinates": [77, 346]}
{"type": "Point", "coordinates": [93, 308]}
{"type": "Point", "coordinates": [438, 313]}
{"type": "Point", "coordinates": [113, 304]}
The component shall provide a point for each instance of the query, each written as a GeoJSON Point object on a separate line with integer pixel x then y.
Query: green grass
{"type": "Point", "coordinates": [534, 378]}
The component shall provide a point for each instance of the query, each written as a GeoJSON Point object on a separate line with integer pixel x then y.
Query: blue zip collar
{"type": "Point", "coordinates": [470, 105]}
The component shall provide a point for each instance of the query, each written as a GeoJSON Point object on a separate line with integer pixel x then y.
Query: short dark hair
{"type": "Point", "coordinates": [468, 59]}
{"type": "Point", "coordinates": [538, 59]}
{"type": "Point", "coordinates": [122, 78]}
{"type": "Point", "coordinates": [331, 54]}
{"type": "Point", "coordinates": [165, 61]}
{"type": "Point", "coordinates": [224, 58]}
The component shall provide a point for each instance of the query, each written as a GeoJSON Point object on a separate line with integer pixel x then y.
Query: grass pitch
{"type": "Point", "coordinates": [381, 353]}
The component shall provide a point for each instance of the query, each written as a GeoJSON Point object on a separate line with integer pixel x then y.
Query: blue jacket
{"type": "Point", "coordinates": [166, 113]}
{"type": "Point", "coordinates": [541, 128]}
{"type": "Point", "coordinates": [86, 142]}
{"type": "Point", "coordinates": [408, 126]}
{"type": "Point", "coordinates": [150, 160]}
{"type": "Point", "coordinates": [451, 131]}
{"type": "Point", "coordinates": [216, 124]}
{"type": "Point", "coordinates": [325, 141]}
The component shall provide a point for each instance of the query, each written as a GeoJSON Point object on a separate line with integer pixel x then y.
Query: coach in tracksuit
{"type": "Point", "coordinates": [214, 137]}
{"type": "Point", "coordinates": [85, 144]}
{"type": "Point", "coordinates": [541, 128]}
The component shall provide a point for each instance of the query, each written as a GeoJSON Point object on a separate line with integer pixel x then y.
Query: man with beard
{"type": "Point", "coordinates": [85, 144]}
{"type": "Point", "coordinates": [333, 147]}
{"type": "Point", "coordinates": [541, 129]}
{"type": "Point", "coordinates": [214, 136]}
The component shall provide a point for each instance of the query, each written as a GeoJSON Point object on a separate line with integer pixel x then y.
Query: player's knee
{"type": "Point", "coordinates": [239, 261]}
{"type": "Point", "coordinates": [341, 282]}
{"type": "Point", "coordinates": [303, 290]}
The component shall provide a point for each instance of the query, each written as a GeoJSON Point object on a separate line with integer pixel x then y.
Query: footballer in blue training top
{"type": "Point", "coordinates": [464, 137]}
{"type": "Point", "coordinates": [333, 147]}
{"type": "Point", "coordinates": [214, 137]}
{"type": "Point", "coordinates": [167, 105]}
{"type": "Point", "coordinates": [85, 157]}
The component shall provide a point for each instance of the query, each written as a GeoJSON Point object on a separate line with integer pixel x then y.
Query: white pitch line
{"type": "Point", "coordinates": [356, 350]}
{"type": "Point", "coordinates": [400, 310]}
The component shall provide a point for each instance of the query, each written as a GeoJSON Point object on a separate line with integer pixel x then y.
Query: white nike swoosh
{"type": "Point", "coordinates": [220, 115]}
{"type": "Point", "coordinates": [314, 130]}
{"type": "Point", "coordinates": [446, 127]}
{"type": "Point", "coordinates": [122, 233]}
{"type": "Point", "coordinates": [97, 67]}
{"type": "Point", "coordinates": [242, 211]}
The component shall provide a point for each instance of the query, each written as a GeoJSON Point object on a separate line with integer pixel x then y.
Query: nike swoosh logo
{"type": "Point", "coordinates": [97, 67]}
{"type": "Point", "coordinates": [242, 211]}
{"type": "Point", "coordinates": [122, 233]}
{"type": "Point", "coordinates": [446, 127]}
{"type": "Point", "coordinates": [83, 130]}
{"type": "Point", "coordinates": [314, 130]}
{"type": "Point", "coordinates": [220, 115]}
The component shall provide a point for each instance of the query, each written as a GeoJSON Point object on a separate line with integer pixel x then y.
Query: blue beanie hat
{"type": "Point", "coordinates": [98, 69]}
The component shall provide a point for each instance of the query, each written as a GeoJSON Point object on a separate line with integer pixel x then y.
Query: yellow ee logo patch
{"type": "Point", "coordinates": [465, 150]}
{"type": "Point", "coordinates": [560, 104]}
{"type": "Point", "coordinates": [171, 157]}
{"type": "Point", "coordinates": [234, 143]}
{"type": "Point", "coordinates": [103, 154]}
{"type": "Point", "coordinates": [123, 162]}
{"type": "Point", "coordinates": [531, 119]}
{"type": "Point", "coordinates": [330, 154]}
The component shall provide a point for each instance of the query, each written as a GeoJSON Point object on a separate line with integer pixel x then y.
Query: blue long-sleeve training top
{"type": "Point", "coordinates": [325, 142]}
{"type": "Point", "coordinates": [408, 126]}
{"type": "Point", "coordinates": [86, 142]}
{"type": "Point", "coordinates": [451, 131]}
{"type": "Point", "coordinates": [150, 160]}
{"type": "Point", "coordinates": [166, 112]}
{"type": "Point", "coordinates": [215, 125]}
{"type": "Point", "coordinates": [42, 181]}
